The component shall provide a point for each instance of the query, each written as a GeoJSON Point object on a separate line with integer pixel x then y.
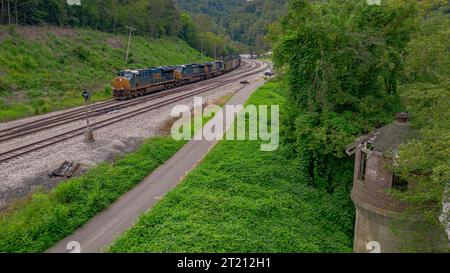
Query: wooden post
{"type": "Point", "coordinates": [201, 51]}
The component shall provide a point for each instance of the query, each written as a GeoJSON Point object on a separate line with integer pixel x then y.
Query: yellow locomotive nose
{"type": "Point", "coordinates": [121, 83]}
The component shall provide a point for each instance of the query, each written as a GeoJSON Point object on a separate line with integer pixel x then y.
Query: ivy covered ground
{"type": "Point", "coordinates": [243, 200]}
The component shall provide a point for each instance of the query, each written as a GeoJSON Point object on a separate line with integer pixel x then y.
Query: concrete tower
{"type": "Point", "coordinates": [374, 207]}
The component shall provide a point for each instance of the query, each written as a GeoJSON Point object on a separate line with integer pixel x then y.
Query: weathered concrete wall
{"type": "Point", "coordinates": [373, 227]}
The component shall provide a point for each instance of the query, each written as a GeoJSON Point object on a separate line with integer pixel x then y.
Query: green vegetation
{"type": "Point", "coordinates": [155, 18]}
{"type": "Point", "coordinates": [425, 162]}
{"type": "Point", "coordinates": [244, 22]}
{"type": "Point", "coordinates": [150, 18]}
{"type": "Point", "coordinates": [200, 37]}
{"type": "Point", "coordinates": [341, 60]}
{"type": "Point", "coordinates": [425, 92]}
{"type": "Point", "coordinates": [243, 200]}
{"type": "Point", "coordinates": [45, 69]}
{"type": "Point", "coordinates": [36, 224]}
{"type": "Point", "coordinates": [344, 68]}
{"type": "Point", "coordinates": [349, 67]}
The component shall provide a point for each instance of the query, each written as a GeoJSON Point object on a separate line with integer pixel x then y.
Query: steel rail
{"type": "Point", "coordinates": [38, 145]}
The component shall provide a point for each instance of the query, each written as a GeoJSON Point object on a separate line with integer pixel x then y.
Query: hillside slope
{"type": "Point", "coordinates": [43, 69]}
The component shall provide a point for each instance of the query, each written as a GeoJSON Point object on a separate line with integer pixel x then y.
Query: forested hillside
{"type": "Point", "coordinates": [151, 18]}
{"type": "Point", "coordinates": [218, 27]}
{"type": "Point", "coordinates": [243, 21]}
{"type": "Point", "coordinates": [44, 69]}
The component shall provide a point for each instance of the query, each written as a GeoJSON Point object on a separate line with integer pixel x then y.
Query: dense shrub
{"type": "Point", "coordinates": [240, 199]}
{"type": "Point", "coordinates": [36, 224]}
{"type": "Point", "coordinates": [425, 91]}
{"type": "Point", "coordinates": [342, 61]}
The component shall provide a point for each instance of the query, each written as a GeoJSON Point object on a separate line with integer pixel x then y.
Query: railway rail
{"type": "Point", "coordinates": [99, 109]}
{"type": "Point", "coordinates": [38, 145]}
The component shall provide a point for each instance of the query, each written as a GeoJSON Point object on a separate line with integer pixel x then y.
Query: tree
{"type": "Point", "coordinates": [189, 31]}
{"type": "Point", "coordinates": [2, 13]}
{"type": "Point", "coordinates": [243, 21]}
{"type": "Point", "coordinates": [425, 91]}
{"type": "Point", "coordinates": [154, 18]}
{"type": "Point", "coordinates": [342, 61]}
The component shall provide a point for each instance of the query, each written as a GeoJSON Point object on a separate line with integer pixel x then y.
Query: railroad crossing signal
{"type": "Point", "coordinates": [89, 133]}
{"type": "Point", "coordinates": [86, 95]}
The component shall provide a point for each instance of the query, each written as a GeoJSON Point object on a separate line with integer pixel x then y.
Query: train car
{"type": "Point", "coordinates": [221, 67]}
{"type": "Point", "coordinates": [133, 83]}
{"type": "Point", "coordinates": [232, 63]}
{"type": "Point", "coordinates": [183, 74]}
{"type": "Point", "coordinates": [123, 85]}
{"type": "Point", "coordinates": [215, 68]}
{"type": "Point", "coordinates": [227, 65]}
{"type": "Point", "coordinates": [200, 72]}
{"type": "Point", "coordinates": [167, 76]}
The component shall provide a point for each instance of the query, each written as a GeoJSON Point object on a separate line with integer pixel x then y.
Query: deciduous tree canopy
{"type": "Point", "coordinates": [154, 18]}
{"type": "Point", "coordinates": [349, 67]}
{"type": "Point", "coordinates": [243, 21]}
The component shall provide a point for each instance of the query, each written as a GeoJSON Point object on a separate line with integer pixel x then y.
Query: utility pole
{"type": "Point", "coordinates": [201, 51]}
{"type": "Point", "coordinates": [129, 42]}
{"type": "Point", "coordinates": [215, 50]}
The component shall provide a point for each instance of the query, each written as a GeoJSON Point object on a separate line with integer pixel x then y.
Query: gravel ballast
{"type": "Point", "coordinates": [22, 176]}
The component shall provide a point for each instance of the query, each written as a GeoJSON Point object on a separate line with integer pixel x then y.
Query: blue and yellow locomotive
{"type": "Point", "coordinates": [134, 83]}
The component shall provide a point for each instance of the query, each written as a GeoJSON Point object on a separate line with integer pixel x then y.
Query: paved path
{"type": "Point", "coordinates": [101, 230]}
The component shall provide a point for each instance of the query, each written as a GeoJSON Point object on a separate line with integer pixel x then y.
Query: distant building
{"type": "Point", "coordinates": [245, 56]}
{"type": "Point", "coordinates": [375, 208]}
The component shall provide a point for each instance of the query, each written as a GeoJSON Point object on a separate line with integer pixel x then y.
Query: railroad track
{"type": "Point", "coordinates": [38, 145]}
{"type": "Point", "coordinates": [99, 109]}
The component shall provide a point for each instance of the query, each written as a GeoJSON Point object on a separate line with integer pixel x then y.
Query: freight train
{"type": "Point", "coordinates": [134, 83]}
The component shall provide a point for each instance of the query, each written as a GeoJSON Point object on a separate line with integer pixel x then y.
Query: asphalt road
{"type": "Point", "coordinates": [101, 230]}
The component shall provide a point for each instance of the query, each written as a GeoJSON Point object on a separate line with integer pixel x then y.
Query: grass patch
{"type": "Point", "coordinates": [243, 200]}
{"type": "Point", "coordinates": [39, 222]}
{"type": "Point", "coordinates": [47, 74]}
